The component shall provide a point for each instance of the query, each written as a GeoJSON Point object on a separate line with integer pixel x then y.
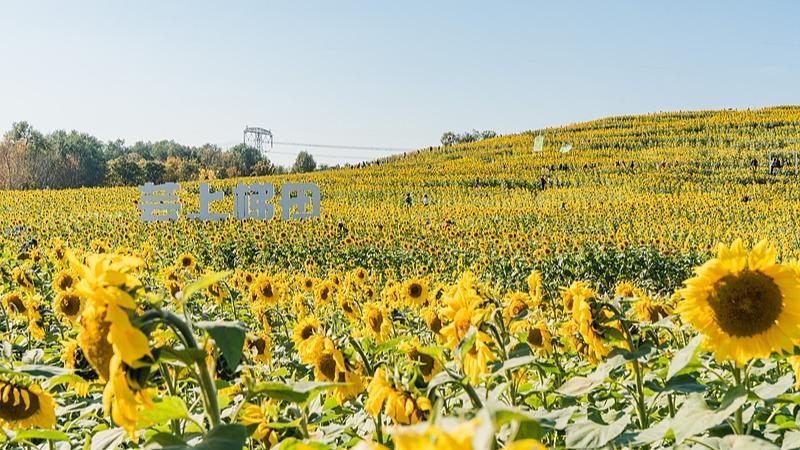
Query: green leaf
{"type": "Point", "coordinates": [767, 391]}
{"type": "Point", "coordinates": [41, 370]}
{"type": "Point", "coordinates": [229, 337]}
{"type": "Point", "coordinates": [62, 379]}
{"type": "Point", "coordinates": [683, 383]}
{"type": "Point", "coordinates": [221, 437]}
{"type": "Point", "coordinates": [578, 385]}
{"type": "Point", "coordinates": [188, 356]}
{"type": "Point", "coordinates": [513, 363]}
{"type": "Point", "coordinates": [791, 440]}
{"type": "Point", "coordinates": [388, 345]}
{"type": "Point", "coordinates": [49, 435]}
{"type": "Point", "coordinates": [163, 410]}
{"type": "Point", "coordinates": [695, 417]}
{"type": "Point", "coordinates": [300, 392]}
{"type": "Point", "coordinates": [296, 444]}
{"type": "Point", "coordinates": [108, 439]}
{"type": "Point", "coordinates": [204, 282]}
{"type": "Point", "coordinates": [734, 442]}
{"type": "Point", "coordinates": [627, 355]}
{"type": "Point", "coordinates": [685, 356]}
{"type": "Point", "coordinates": [557, 418]}
{"type": "Point", "coordinates": [161, 440]}
{"type": "Point", "coordinates": [650, 435]}
{"type": "Point", "coordinates": [590, 434]}
{"type": "Point", "coordinates": [744, 442]}
{"type": "Point", "coordinates": [502, 414]}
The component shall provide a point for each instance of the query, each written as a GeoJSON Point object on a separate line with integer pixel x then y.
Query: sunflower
{"type": "Point", "coordinates": [376, 321]}
{"type": "Point", "coordinates": [348, 306]}
{"type": "Point", "coordinates": [573, 294]}
{"type": "Point", "coordinates": [525, 444]}
{"type": "Point", "coordinates": [401, 406]}
{"type": "Point", "coordinates": [63, 281]}
{"type": "Point", "coordinates": [216, 292]}
{"type": "Point", "coordinates": [433, 320]}
{"type": "Point", "coordinates": [266, 289]}
{"type": "Point", "coordinates": [368, 292]}
{"type": "Point", "coordinates": [626, 289]}
{"type": "Point", "coordinates": [68, 305]}
{"type": "Point", "coordinates": [464, 308]}
{"type": "Point", "coordinates": [436, 294]}
{"type": "Point", "coordinates": [427, 365]}
{"type": "Point", "coordinates": [125, 395]}
{"type": "Point", "coordinates": [359, 275]}
{"type": "Point", "coordinates": [308, 338]}
{"type": "Point", "coordinates": [445, 435]}
{"type": "Point", "coordinates": [307, 283]}
{"type": "Point", "coordinates": [15, 304]}
{"type": "Point", "coordinates": [260, 417]}
{"type": "Point", "coordinates": [324, 292]}
{"type": "Point", "coordinates": [330, 366]}
{"type": "Point", "coordinates": [534, 282]}
{"type": "Point", "coordinates": [648, 310]}
{"type": "Point", "coordinates": [476, 360]}
{"type": "Point", "coordinates": [415, 291]}
{"type": "Point", "coordinates": [516, 304]}
{"type": "Point", "coordinates": [70, 348]}
{"type": "Point", "coordinates": [588, 320]}
{"type": "Point", "coordinates": [187, 262]}
{"type": "Point", "coordinates": [744, 303]}
{"type": "Point", "coordinates": [24, 406]}
{"type": "Point", "coordinates": [535, 334]}
{"type": "Point", "coordinates": [106, 328]}
{"type": "Point", "coordinates": [22, 279]}
{"type": "Point", "coordinates": [259, 346]}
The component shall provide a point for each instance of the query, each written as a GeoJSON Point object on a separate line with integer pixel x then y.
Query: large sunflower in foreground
{"type": "Point", "coordinates": [745, 303]}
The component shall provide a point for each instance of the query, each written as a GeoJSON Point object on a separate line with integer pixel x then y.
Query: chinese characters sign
{"type": "Point", "coordinates": [159, 202]}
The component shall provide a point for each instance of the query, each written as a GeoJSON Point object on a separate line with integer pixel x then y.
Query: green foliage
{"type": "Point", "coordinates": [304, 163]}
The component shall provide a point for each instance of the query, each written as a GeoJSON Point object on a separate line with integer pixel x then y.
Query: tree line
{"type": "Point", "coordinates": [30, 159]}
{"type": "Point", "coordinates": [451, 138]}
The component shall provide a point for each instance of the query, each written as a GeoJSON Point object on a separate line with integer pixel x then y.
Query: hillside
{"type": "Point", "coordinates": [536, 296]}
{"type": "Point", "coordinates": [667, 184]}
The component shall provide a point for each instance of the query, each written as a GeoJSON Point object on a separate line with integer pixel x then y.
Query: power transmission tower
{"type": "Point", "coordinates": [258, 138]}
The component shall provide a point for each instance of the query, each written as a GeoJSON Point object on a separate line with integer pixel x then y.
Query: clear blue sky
{"type": "Point", "coordinates": [393, 74]}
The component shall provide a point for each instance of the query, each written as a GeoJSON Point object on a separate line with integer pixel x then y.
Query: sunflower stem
{"type": "Point", "coordinates": [379, 427]}
{"type": "Point", "coordinates": [737, 377]}
{"type": "Point", "coordinates": [641, 403]}
{"type": "Point", "coordinates": [476, 400]}
{"type": "Point", "coordinates": [360, 351]}
{"type": "Point", "coordinates": [207, 385]}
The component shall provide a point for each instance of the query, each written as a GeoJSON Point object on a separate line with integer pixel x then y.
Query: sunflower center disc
{"type": "Point", "coordinates": [70, 304]}
{"type": "Point", "coordinates": [20, 411]}
{"type": "Point", "coordinates": [327, 365]}
{"type": "Point", "coordinates": [535, 337]}
{"type": "Point", "coordinates": [746, 304]}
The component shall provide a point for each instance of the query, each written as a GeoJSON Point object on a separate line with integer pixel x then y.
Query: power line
{"type": "Point", "coordinates": [318, 156]}
{"type": "Point", "coordinates": [346, 147]}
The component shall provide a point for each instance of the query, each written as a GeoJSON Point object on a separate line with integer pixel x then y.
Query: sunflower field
{"type": "Point", "coordinates": [641, 290]}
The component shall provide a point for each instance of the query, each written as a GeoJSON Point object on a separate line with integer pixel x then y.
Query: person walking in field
{"type": "Point", "coordinates": [425, 201]}
{"type": "Point", "coordinates": [408, 199]}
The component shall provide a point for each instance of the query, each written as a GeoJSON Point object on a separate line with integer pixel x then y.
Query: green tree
{"type": "Point", "coordinates": [80, 157]}
{"type": "Point", "coordinates": [124, 171]}
{"type": "Point", "coordinates": [304, 163]}
{"type": "Point", "coordinates": [244, 158]}
{"type": "Point", "coordinates": [262, 168]}
{"type": "Point", "coordinates": [153, 172]}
